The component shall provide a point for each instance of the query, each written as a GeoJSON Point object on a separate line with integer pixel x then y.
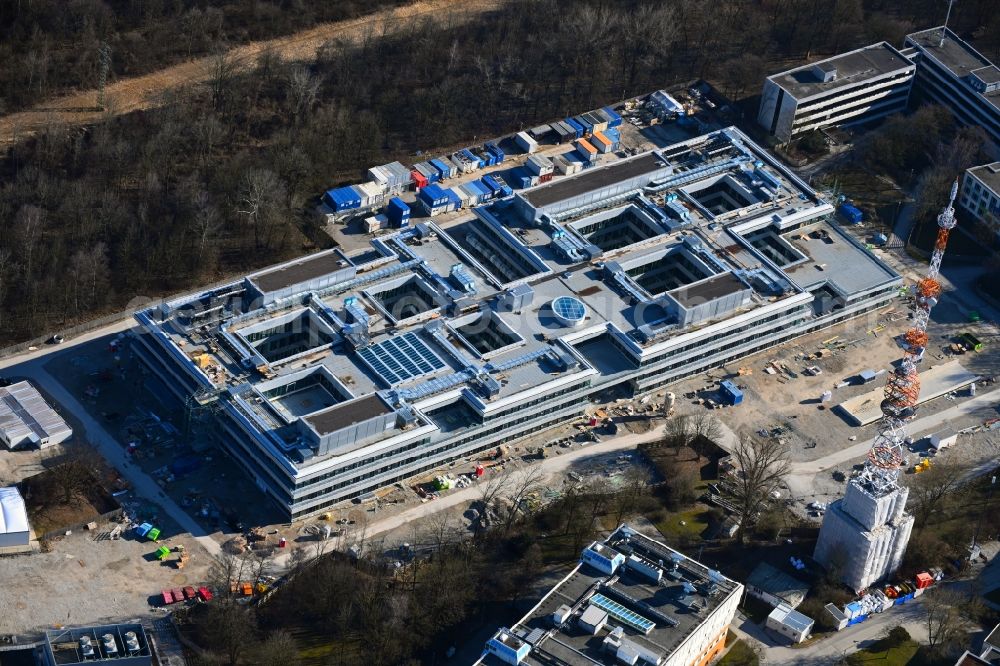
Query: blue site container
{"type": "Point", "coordinates": [484, 192]}
{"type": "Point", "coordinates": [497, 152]}
{"type": "Point", "coordinates": [456, 201]}
{"type": "Point", "coordinates": [731, 392]}
{"type": "Point", "coordinates": [857, 620]}
{"type": "Point", "coordinates": [433, 196]}
{"type": "Point", "coordinates": [342, 198]}
{"type": "Point", "coordinates": [614, 119]}
{"type": "Point", "coordinates": [475, 159]}
{"type": "Point", "coordinates": [588, 127]}
{"type": "Point", "coordinates": [442, 168]}
{"type": "Point", "coordinates": [487, 158]}
{"type": "Point", "coordinates": [575, 126]}
{"type": "Point", "coordinates": [496, 187]}
{"type": "Point", "coordinates": [429, 172]}
{"type": "Point", "coordinates": [614, 136]}
{"type": "Point", "coordinates": [398, 212]}
{"type": "Point", "coordinates": [851, 213]}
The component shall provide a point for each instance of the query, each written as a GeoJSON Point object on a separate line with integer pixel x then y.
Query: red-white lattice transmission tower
{"type": "Point", "coordinates": [902, 389]}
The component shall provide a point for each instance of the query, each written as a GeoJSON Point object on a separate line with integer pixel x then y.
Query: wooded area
{"type": "Point", "coordinates": [222, 178]}
{"type": "Point", "coordinates": [50, 46]}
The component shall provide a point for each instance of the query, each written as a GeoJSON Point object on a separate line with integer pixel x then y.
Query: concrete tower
{"type": "Point", "coordinates": [865, 532]}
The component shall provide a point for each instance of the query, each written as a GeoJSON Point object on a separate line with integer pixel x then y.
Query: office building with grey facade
{"type": "Point", "coordinates": [953, 74]}
{"type": "Point", "coordinates": [338, 374]}
{"type": "Point", "coordinates": [851, 88]}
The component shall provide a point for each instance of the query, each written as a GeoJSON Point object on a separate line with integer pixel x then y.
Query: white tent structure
{"type": "Point", "coordinates": [14, 529]}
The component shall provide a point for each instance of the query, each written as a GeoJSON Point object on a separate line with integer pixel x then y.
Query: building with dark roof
{"type": "Point", "coordinates": [631, 600]}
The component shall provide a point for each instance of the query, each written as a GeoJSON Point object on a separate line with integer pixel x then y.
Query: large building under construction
{"type": "Point", "coordinates": [337, 374]}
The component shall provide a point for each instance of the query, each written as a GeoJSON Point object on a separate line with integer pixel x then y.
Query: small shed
{"type": "Point", "coordinates": [730, 392]}
{"type": "Point", "coordinates": [790, 623]}
{"type": "Point", "coordinates": [867, 376]}
{"type": "Point", "coordinates": [15, 533]}
{"type": "Point", "coordinates": [942, 439]}
{"type": "Point", "coordinates": [775, 587]}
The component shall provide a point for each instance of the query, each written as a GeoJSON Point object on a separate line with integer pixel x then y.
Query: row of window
{"type": "Point", "coordinates": [891, 104]}
{"type": "Point", "coordinates": [942, 86]}
{"type": "Point", "coordinates": [720, 336]}
{"type": "Point", "coordinates": [479, 434]}
{"type": "Point", "coordinates": [864, 87]}
{"type": "Point", "coordinates": [424, 468]}
{"type": "Point", "coordinates": [825, 323]}
{"type": "Point", "coordinates": [894, 87]}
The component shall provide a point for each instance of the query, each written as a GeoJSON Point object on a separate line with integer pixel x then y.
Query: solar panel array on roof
{"type": "Point", "coordinates": [401, 358]}
{"type": "Point", "coordinates": [622, 614]}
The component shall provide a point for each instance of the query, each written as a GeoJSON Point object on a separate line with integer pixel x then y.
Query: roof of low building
{"type": "Point", "coordinates": [24, 412]}
{"type": "Point", "coordinates": [851, 68]}
{"type": "Point", "coordinates": [778, 583]}
{"type": "Point", "coordinates": [13, 514]}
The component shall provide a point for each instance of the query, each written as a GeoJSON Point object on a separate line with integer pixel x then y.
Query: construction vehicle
{"type": "Point", "coordinates": [922, 466]}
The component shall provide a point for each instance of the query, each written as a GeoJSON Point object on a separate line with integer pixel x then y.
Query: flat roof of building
{"type": "Point", "coordinates": [958, 56]}
{"type": "Point", "coordinates": [851, 68]}
{"type": "Point", "coordinates": [106, 643]}
{"type": "Point", "coordinates": [298, 271]}
{"type": "Point", "coordinates": [675, 606]}
{"type": "Point", "coordinates": [407, 290]}
{"type": "Point", "coordinates": [709, 289]}
{"type": "Point", "coordinates": [347, 414]}
{"type": "Point", "coordinates": [593, 179]}
{"type": "Point", "coordinates": [25, 413]}
{"type": "Point", "coordinates": [834, 257]}
{"type": "Point", "coordinates": [989, 174]}
{"type": "Point", "coordinates": [791, 618]}
{"type": "Point", "coordinates": [778, 583]}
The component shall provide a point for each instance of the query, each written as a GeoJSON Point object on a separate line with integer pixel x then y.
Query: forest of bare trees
{"type": "Point", "coordinates": [221, 177]}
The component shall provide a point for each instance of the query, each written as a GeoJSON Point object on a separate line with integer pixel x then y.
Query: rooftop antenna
{"type": "Point", "coordinates": [944, 28]}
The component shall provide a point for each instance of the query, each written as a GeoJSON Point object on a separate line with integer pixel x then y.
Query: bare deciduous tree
{"type": "Point", "coordinates": [931, 490]}
{"type": "Point", "coordinates": [260, 196]}
{"type": "Point", "coordinates": [760, 467]}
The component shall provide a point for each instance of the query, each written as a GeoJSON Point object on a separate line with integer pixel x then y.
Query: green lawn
{"type": "Point", "coordinates": [739, 654]}
{"type": "Point", "coordinates": [695, 519]}
{"type": "Point", "coordinates": [895, 656]}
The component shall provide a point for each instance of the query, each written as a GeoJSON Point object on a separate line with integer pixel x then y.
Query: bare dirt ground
{"type": "Point", "coordinates": [143, 92]}
{"type": "Point", "coordinates": [84, 581]}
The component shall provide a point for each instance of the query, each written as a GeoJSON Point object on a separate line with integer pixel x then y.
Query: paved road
{"type": "Point", "coordinates": [801, 474]}
{"type": "Point", "coordinates": [31, 365]}
{"type": "Point", "coordinates": [832, 649]}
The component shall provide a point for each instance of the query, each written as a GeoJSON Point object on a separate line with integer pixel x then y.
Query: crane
{"type": "Point", "coordinates": [902, 388]}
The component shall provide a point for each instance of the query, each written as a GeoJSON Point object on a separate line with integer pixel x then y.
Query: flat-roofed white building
{"type": "Point", "coordinates": [981, 194]}
{"type": "Point", "coordinates": [27, 420]}
{"type": "Point", "coordinates": [850, 88]}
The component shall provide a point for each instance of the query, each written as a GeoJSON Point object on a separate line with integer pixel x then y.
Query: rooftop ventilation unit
{"type": "Point", "coordinates": [109, 645]}
{"type": "Point", "coordinates": [86, 647]}
{"type": "Point", "coordinates": [132, 642]}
